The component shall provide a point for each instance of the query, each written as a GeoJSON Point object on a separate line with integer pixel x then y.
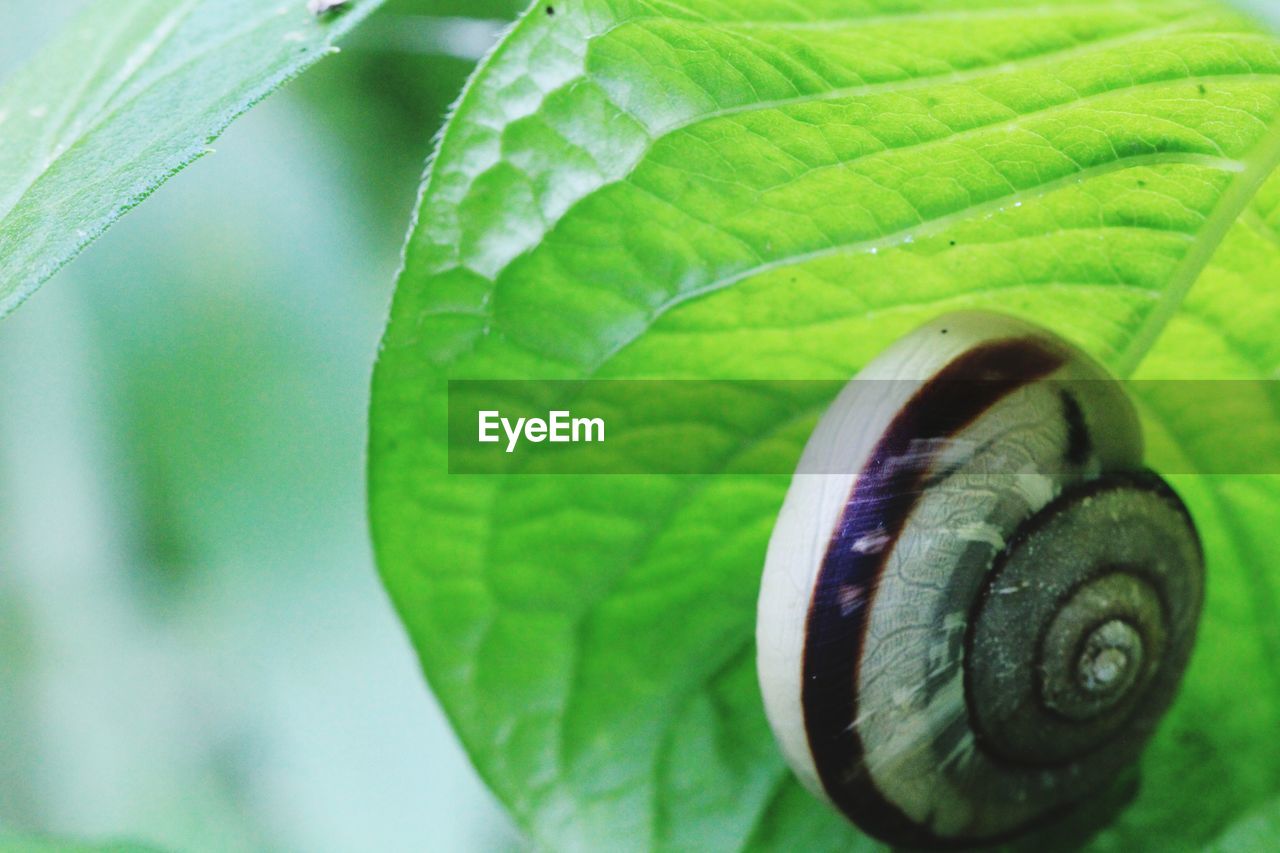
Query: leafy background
{"type": "Point", "coordinates": [199, 655]}
{"type": "Point", "coordinates": [194, 648]}
{"type": "Point", "coordinates": [771, 189]}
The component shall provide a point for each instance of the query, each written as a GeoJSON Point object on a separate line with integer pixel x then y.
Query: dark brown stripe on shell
{"type": "Point", "coordinates": [884, 495]}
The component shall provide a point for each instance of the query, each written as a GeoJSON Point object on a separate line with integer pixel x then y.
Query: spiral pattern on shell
{"type": "Point", "coordinates": [980, 617]}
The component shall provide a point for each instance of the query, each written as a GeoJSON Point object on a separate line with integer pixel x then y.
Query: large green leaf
{"type": "Point", "coordinates": [775, 189]}
{"type": "Point", "coordinates": [131, 93]}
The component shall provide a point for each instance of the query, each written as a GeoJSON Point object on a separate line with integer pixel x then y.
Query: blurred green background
{"type": "Point", "coordinates": [195, 651]}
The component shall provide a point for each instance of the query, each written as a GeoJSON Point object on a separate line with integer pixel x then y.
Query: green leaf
{"type": "Point", "coordinates": [771, 189]}
{"type": "Point", "coordinates": [1224, 330]}
{"type": "Point", "coordinates": [128, 95]}
{"type": "Point", "coordinates": [1258, 831]}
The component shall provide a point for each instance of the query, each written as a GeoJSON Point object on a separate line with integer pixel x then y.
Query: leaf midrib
{"type": "Point", "coordinates": [1262, 163]}
{"type": "Point", "coordinates": [60, 144]}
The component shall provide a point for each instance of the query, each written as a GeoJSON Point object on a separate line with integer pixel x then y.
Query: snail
{"type": "Point", "coordinates": [977, 603]}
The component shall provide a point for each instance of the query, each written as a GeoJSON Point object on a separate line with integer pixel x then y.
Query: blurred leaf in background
{"type": "Point", "coordinates": [198, 651]}
{"type": "Point", "coordinates": [127, 95]}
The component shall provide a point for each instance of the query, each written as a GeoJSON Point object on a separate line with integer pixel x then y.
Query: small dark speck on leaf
{"type": "Point", "coordinates": [953, 242]}
{"type": "Point", "coordinates": [551, 10]}
{"type": "Point", "coordinates": [1142, 183]}
{"type": "Point", "coordinates": [1195, 742]}
{"type": "Point", "coordinates": [1203, 90]}
{"type": "Point", "coordinates": [944, 331]}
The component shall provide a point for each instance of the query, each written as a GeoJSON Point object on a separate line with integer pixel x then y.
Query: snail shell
{"type": "Point", "coordinates": [976, 603]}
